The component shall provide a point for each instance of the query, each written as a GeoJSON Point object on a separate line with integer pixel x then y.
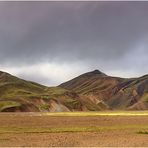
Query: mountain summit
{"type": "Point", "coordinates": [97, 72]}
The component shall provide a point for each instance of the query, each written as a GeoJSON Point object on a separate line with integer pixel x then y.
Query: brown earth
{"type": "Point", "coordinates": [114, 137]}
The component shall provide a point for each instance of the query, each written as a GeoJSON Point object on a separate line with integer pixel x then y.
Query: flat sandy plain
{"type": "Point", "coordinates": [85, 129]}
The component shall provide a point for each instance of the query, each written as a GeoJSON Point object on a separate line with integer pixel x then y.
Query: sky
{"type": "Point", "coordinates": [52, 42]}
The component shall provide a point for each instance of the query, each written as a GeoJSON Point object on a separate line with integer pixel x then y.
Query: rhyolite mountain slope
{"type": "Point", "coordinates": [92, 91]}
{"type": "Point", "coordinates": [24, 96]}
{"type": "Point", "coordinates": [114, 92]}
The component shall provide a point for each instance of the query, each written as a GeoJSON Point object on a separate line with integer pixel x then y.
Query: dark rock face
{"type": "Point", "coordinates": [97, 72]}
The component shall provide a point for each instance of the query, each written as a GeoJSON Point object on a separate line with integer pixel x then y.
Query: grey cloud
{"type": "Point", "coordinates": [37, 77]}
{"type": "Point", "coordinates": [99, 33]}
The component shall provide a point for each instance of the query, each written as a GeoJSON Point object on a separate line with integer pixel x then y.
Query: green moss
{"type": "Point", "coordinates": [56, 91]}
{"type": "Point", "coordinates": [8, 104]}
{"type": "Point", "coordinates": [45, 97]}
{"type": "Point", "coordinates": [44, 107]}
{"type": "Point", "coordinates": [91, 107]}
{"type": "Point", "coordinates": [145, 97]}
{"type": "Point", "coordinates": [72, 104]}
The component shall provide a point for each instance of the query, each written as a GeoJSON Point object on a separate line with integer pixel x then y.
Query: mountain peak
{"type": "Point", "coordinates": [96, 71]}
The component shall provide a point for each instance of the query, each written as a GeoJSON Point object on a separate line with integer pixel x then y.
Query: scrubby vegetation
{"type": "Point", "coordinates": [142, 132]}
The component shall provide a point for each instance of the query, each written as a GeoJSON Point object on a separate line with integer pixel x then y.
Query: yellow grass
{"type": "Point", "coordinates": [104, 113]}
{"type": "Point", "coordinates": [71, 129]}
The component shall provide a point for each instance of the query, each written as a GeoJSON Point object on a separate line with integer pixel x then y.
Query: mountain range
{"type": "Point", "coordinates": [92, 91]}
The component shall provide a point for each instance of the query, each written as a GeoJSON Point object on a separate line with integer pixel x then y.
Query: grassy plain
{"type": "Point", "coordinates": [114, 128]}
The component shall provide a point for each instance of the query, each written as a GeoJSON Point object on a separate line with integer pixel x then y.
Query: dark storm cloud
{"type": "Point", "coordinates": [110, 35]}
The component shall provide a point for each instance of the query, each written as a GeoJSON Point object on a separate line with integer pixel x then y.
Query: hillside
{"type": "Point", "coordinates": [20, 95]}
{"type": "Point", "coordinates": [114, 92]}
{"type": "Point", "coordinates": [92, 91]}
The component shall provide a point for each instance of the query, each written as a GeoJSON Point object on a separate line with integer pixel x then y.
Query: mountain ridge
{"type": "Point", "coordinates": [116, 92]}
{"type": "Point", "coordinates": [91, 91]}
{"type": "Point", "coordinates": [20, 95]}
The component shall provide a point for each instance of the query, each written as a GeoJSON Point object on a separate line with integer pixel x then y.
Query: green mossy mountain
{"type": "Point", "coordinates": [92, 91]}
{"type": "Point", "coordinates": [20, 95]}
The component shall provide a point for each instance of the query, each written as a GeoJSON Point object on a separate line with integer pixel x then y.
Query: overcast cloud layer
{"type": "Point", "coordinates": [51, 42]}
